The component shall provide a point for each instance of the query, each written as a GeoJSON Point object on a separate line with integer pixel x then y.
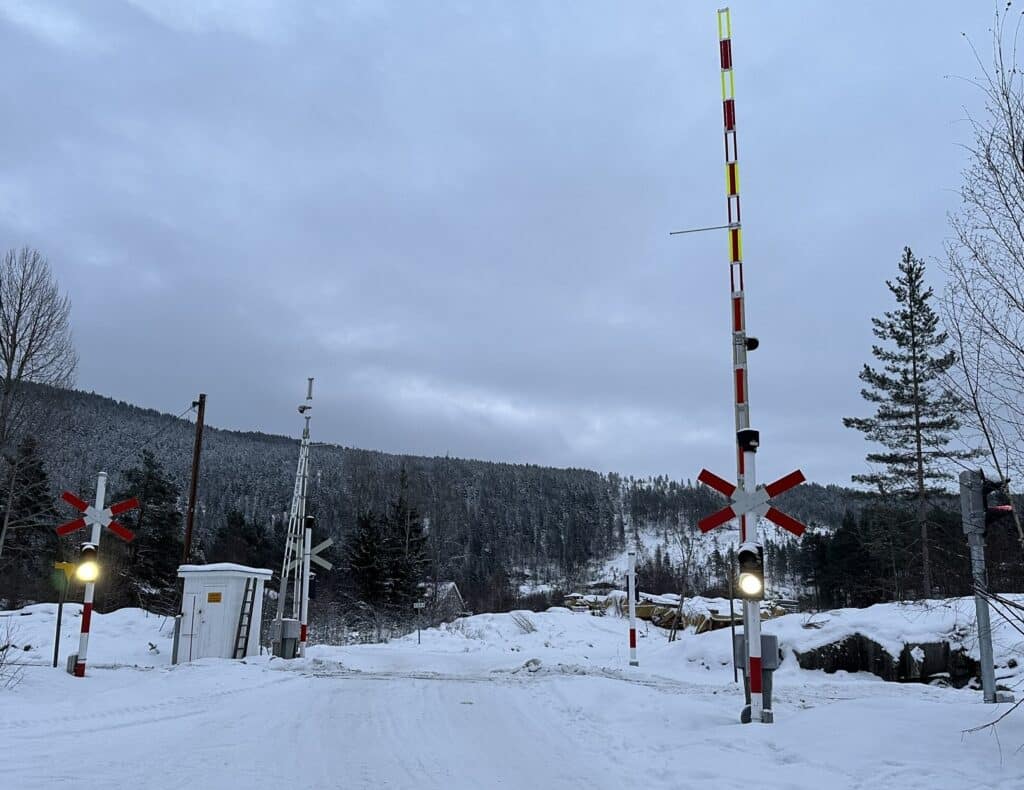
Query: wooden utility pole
{"type": "Point", "coordinates": [190, 514]}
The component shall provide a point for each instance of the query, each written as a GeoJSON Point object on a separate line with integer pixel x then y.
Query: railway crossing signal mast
{"type": "Point", "coordinates": [294, 570]}
{"type": "Point", "coordinates": [748, 501]}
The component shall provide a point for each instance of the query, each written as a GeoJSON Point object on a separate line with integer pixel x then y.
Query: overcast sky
{"type": "Point", "coordinates": [455, 215]}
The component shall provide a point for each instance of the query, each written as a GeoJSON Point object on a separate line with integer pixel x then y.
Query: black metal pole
{"type": "Point", "coordinates": [732, 628]}
{"type": "Point", "coordinates": [60, 613]}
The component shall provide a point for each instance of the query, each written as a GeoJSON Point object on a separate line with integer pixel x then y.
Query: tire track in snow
{"type": "Point", "coordinates": [195, 702]}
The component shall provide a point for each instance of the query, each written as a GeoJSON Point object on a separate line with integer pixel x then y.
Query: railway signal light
{"type": "Point", "coordinates": [751, 579]}
{"type": "Point", "coordinates": [88, 569]}
{"type": "Point", "coordinates": [995, 513]}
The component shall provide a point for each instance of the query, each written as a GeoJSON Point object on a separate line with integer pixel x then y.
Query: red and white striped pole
{"type": "Point", "coordinates": [90, 587]}
{"type": "Point", "coordinates": [631, 591]}
{"type": "Point", "coordinates": [745, 476]}
{"type": "Point", "coordinates": [752, 623]}
{"type": "Point", "coordinates": [307, 547]}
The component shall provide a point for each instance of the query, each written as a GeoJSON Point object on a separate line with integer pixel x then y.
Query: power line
{"type": "Point", "coordinates": [116, 466]}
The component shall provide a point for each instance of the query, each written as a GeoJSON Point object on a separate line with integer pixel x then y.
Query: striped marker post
{"type": "Point", "coordinates": [752, 620]}
{"type": "Point", "coordinates": [90, 587]}
{"type": "Point", "coordinates": [307, 548]}
{"type": "Point", "coordinates": [631, 591]}
{"type": "Point", "coordinates": [745, 477]}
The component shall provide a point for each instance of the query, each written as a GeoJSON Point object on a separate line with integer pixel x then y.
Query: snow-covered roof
{"type": "Point", "coordinates": [224, 567]}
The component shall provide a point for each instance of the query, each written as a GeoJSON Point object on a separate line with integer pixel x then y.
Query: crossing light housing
{"type": "Point", "coordinates": [88, 569]}
{"type": "Point", "coordinates": [748, 439]}
{"type": "Point", "coordinates": [995, 512]}
{"type": "Point", "coordinates": [751, 579]}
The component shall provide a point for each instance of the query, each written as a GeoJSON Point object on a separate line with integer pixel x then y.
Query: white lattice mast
{"type": "Point", "coordinates": [292, 571]}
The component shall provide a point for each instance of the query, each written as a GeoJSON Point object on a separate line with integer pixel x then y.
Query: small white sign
{"type": "Point", "coordinates": [419, 605]}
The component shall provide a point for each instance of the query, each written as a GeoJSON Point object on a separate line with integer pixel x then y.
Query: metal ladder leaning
{"type": "Point", "coordinates": [245, 618]}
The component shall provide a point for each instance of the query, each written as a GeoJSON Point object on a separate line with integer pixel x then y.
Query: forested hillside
{"type": "Point", "coordinates": [489, 526]}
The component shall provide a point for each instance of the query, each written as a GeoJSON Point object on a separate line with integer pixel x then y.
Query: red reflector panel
{"type": "Point", "coordinates": [726, 52]}
{"type": "Point", "coordinates": [121, 507]}
{"type": "Point", "coordinates": [741, 395]}
{"type": "Point", "coordinates": [74, 501]}
{"type": "Point", "coordinates": [71, 526]}
{"type": "Point", "coordinates": [785, 521]}
{"type": "Point", "coordinates": [632, 637]}
{"type": "Point", "coordinates": [755, 675]}
{"type": "Point", "coordinates": [737, 314]}
{"type": "Point", "coordinates": [791, 480]}
{"type": "Point", "coordinates": [123, 533]}
{"type": "Point", "coordinates": [735, 251]}
{"type": "Point", "coordinates": [711, 480]}
{"type": "Point", "coordinates": [729, 113]}
{"type": "Point", "coordinates": [716, 519]}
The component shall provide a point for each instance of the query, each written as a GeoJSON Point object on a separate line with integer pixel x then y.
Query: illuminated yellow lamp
{"type": "Point", "coordinates": [88, 568]}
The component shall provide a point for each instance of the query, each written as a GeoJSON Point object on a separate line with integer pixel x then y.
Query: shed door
{"type": "Point", "coordinates": [189, 627]}
{"type": "Point", "coordinates": [213, 622]}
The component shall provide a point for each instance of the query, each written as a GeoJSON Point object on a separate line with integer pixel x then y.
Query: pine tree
{"type": "Point", "coordinates": [915, 414]}
{"type": "Point", "coordinates": [153, 557]}
{"type": "Point", "coordinates": [366, 558]}
{"type": "Point", "coordinates": [243, 542]}
{"type": "Point", "coordinates": [29, 518]}
{"type": "Point", "coordinates": [406, 549]}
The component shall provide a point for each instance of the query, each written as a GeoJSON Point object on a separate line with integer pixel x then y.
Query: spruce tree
{"type": "Point", "coordinates": [406, 549]}
{"type": "Point", "coordinates": [153, 557]}
{"type": "Point", "coordinates": [366, 558]}
{"type": "Point", "coordinates": [29, 516]}
{"type": "Point", "coordinates": [915, 415]}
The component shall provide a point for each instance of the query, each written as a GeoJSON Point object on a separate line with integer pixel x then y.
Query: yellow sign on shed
{"type": "Point", "coordinates": [213, 597]}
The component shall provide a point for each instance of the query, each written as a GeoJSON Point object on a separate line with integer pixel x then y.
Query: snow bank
{"type": "Point", "coordinates": [892, 625]}
{"type": "Point", "coordinates": [126, 636]}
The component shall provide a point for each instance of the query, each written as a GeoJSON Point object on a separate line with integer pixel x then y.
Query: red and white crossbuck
{"type": "Point", "coordinates": [103, 517]}
{"type": "Point", "coordinates": [97, 517]}
{"type": "Point", "coordinates": [755, 503]}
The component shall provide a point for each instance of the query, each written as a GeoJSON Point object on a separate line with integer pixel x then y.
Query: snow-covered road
{"type": "Point", "coordinates": [462, 712]}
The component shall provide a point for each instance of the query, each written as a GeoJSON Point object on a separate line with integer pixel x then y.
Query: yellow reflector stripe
{"type": "Point", "coordinates": [736, 245]}
{"type": "Point", "coordinates": [732, 179]}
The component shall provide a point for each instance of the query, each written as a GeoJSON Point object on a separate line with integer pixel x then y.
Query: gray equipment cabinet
{"type": "Point", "coordinates": [284, 637]}
{"type": "Point", "coordinates": [771, 657]}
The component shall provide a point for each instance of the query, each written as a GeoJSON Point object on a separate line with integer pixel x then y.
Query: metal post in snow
{"type": "Point", "coordinates": [752, 615]}
{"type": "Point", "coordinates": [631, 591]}
{"type": "Point", "coordinates": [988, 672]}
{"type": "Point", "coordinates": [307, 547]}
{"type": "Point", "coordinates": [90, 587]}
{"type": "Point", "coordinates": [60, 614]}
{"type": "Point", "coordinates": [732, 627]}
{"type": "Point", "coordinates": [746, 498]}
{"type": "Point", "coordinates": [972, 508]}
{"type": "Point", "coordinates": [296, 516]}
{"type": "Point", "coordinates": [745, 476]}
{"type": "Point", "coordinates": [418, 607]}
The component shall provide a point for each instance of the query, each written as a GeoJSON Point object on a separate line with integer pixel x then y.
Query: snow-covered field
{"type": "Point", "coordinates": [488, 703]}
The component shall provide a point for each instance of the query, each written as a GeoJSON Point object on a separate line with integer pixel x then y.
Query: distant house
{"type": "Point", "coordinates": [443, 599]}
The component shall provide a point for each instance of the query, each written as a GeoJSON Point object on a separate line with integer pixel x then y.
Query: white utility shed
{"type": "Point", "coordinates": [212, 607]}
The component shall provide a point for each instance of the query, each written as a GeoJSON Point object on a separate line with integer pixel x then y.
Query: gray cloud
{"type": "Point", "coordinates": [455, 215]}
